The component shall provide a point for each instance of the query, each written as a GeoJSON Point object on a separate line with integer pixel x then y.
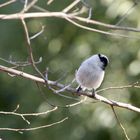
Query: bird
{"type": "Point", "coordinates": [91, 72]}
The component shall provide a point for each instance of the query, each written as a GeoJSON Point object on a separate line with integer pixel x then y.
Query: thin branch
{"type": "Point", "coordinates": [33, 128]}
{"type": "Point", "coordinates": [69, 7]}
{"type": "Point", "coordinates": [119, 87]}
{"type": "Point", "coordinates": [53, 105]}
{"type": "Point", "coordinates": [49, 2]}
{"type": "Point", "coordinates": [7, 3]}
{"type": "Point", "coordinates": [31, 53]}
{"type": "Point", "coordinates": [20, 63]}
{"type": "Point", "coordinates": [29, 48]}
{"type": "Point", "coordinates": [27, 35]}
{"type": "Point", "coordinates": [22, 115]}
{"type": "Point", "coordinates": [127, 12]}
{"type": "Point", "coordinates": [69, 89]}
{"type": "Point", "coordinates": [37, 34]}
{"type": "Point", "coordinates": [64, 16]}
{"type": "Point", "coordinates": [109, 26]}
{"type": "Point", "coordinates": [124, 131]}
{"type": "Point", "coordinates": [36, 7]}
{"type": "Point", "coordinates": [28, 6]}
{"type": "Point", "coordinates": [99, 31]}
{"type": "Point", "coordinates": [25, 5]}
{"type": "Point", "coordinates": [77, 103]}
{"type": "Point", "coordinates": [67, 86]}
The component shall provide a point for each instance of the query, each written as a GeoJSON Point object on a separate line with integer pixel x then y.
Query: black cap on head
{"type": "Point", "coordinates": [104, 60]}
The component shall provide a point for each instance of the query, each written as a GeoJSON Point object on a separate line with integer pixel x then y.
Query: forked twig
{"type": "Point", "coordinates": [33, 128]}
{"type": "Point", "coordinates": [23, 115]}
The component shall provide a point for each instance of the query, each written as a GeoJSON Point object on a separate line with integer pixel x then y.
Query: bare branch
{"type": "Point", "coordinates": [77, 103]}
{"type": "Point", "coordinates": [30, 50]}
{"type": "Point", "coordinates": [127, 12]}
{"type": "Point", "coordinates": [7, 3]}
{"type": "Point", "coordinates": [37, 34]}
{"type": "Point", "coordinates": [66, 16]}
{"type": "Point", "coordinates": [49, 2]}
{"type": "Point", "coordinates": [28, 114]}
{"type": "Point", "coordinates": [33, 128]}
{"type": "Point", "coordinates": [27, 34]}
{"type": "Point", "coordinates": [28, 6]}
{"type": "Point", "coordinates": [20, 63]}
{"type": "Point", "coordinates": [124, 131]}
{"type": "Point", "coordinates": [25, 5]}
{"type": "Point", "coordinates": [69, 89]}
{"type": "Point", "coordinates": [36, 7]}
{"type": "Point", "coordinates": [69, 7]}
{"type": "Point", "coordinates": [119, 87]}
{"type": "Point", "coordinates": [99, 31]}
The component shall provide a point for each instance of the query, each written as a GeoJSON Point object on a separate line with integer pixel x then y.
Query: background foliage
{"type": "Point", "coordinates": [63, 47]}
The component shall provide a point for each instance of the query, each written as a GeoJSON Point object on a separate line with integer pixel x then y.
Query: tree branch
{"type": "Point", "coordinates": [64, 16]}
{"type": "Point", "coordinates": [7, 3]}
{"type": "Point", "coordinates": [33, 128]}
{"type": "Point", "coordinates": [120, 124]}
{"type": "Point", "coordinates": [69, 89]}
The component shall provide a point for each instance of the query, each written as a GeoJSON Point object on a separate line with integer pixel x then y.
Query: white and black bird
{"type": "Point", "coordinates": [91, 72]}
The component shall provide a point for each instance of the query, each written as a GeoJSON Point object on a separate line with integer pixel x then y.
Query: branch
{"type": "Point", "coordinates": [119, 122]}
{"type": "Point", "coordinates": [69, 89]}
{"type": "Point", "coordinates": [28, 114]}
{"type": "Point", "coordinates": [65, 16]}
{"type": "Point", "coordinates": [33, 128]}
{"type": "Point", "coordinates": [69, 7]}
{"type": "Point", "coordinates": [98, 31]}
{"type": "Point", "coordinates": [7, 3]}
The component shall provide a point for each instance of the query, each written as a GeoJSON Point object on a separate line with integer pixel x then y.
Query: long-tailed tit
{"type": "Point", "coordinates": [91, 72]}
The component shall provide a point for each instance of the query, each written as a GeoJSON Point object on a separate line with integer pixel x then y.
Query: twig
{"type": "Point", "coordinates": [119, 87]}
{"type": "Point", "coordinates": [124, 131]}
{"type": "Point", "coordinates": [67, 86]}
{"type": "Point", "coordinates": [109, 26]}
{"type": "Point", "coordinates": [49, 2]}
{"type": "Point", "coordinates": [7, 3]}
{"type": "Point", "coordinates": [30, 52]}
{"type": "Point", "coordinates": [27, 36]}
{"type": "Point", "coordinates": [69, 89]}
{"type": "Point", "coordinates": [28, 6]}
{"type": "Point", "coordinates": [99, 31]}
{"type": "Point", "coordinates": [36, 7]}
{"type": "Point", "coordinates": [22, 115]}
{"type": "Point", "coordinates": [20, 63]}
{"type": "Point", "coordinates": [37, 34]}
{"type": "Point", "coordinates": [77, 103]}
{"type": "Point", "coordinates": [127, 12]}
{"type": "Point", "coordinates": [17, 107]}
{"type": "Point", "coordinates": [33, 128]}
{"type": "Point", "coordinates": [33, 62]}
{"type": "Point", "coordinates": [25, 5]}
{"type": "Point", "coordinates": [69, 7]}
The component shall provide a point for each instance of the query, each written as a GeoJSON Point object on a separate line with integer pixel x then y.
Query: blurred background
{"type": "Point", "coordinates": [63, 47]}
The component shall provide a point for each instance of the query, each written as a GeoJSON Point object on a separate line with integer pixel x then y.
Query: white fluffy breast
{"type": "Point", "coordinates": [90, 75]}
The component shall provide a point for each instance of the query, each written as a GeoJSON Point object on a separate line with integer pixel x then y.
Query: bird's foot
{"type": "Point", "coordinates": [93, 93]}
{"type": "Point", "coordinates": [78, 89]}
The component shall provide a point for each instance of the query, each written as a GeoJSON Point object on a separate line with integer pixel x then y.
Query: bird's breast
{"type": "Point", "coordinates": [89, 76]}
